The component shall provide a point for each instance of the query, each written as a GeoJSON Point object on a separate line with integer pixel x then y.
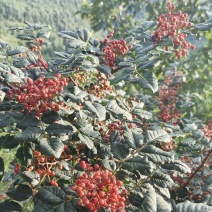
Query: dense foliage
{"type": "Point", "coordinates": [82, 143]}
{"type": "Point", "coordinates": [122, 15]}
{"type": "Point", "coordinates": [58, 14]}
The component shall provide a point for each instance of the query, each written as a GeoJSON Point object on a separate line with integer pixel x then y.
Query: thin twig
{"type": "Point", "coordinates": [198, 168]}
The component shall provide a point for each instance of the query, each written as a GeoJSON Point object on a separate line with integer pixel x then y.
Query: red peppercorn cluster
{"type": "Point", "coordinates": [113, 48]}
{"type": "Point", "coordinates": [45, 165]}
{"type": "Point", "coordinates": [167, 146]}
{"type": "Point", "coordinates": [111, 127]}
{"type": "Point", "coordinates": [172, 25]}
{"type": "Point", "coordinates": [17, 168]}
{"type": "Point", "coordinates": [37, 47]}
{"type": "Point", "coordinates": [98, 188]}
{"type": "Point", "coordinates": [40, 94]}
{"type": "Point", "coordinates": [99, 89]}
{"type": "Point", "coordinates": [167, 98]}
{"type": "Point", "coordinates": [208, 129]}
{"type": "Point", "coordinates": [41, 63]}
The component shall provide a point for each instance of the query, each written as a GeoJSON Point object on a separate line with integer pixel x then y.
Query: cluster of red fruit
{"type": "Point", "coordinates": [208, 129]}
{"type": "Point", "coordinates": [111, 128]}
{"type": "Point", "coordinates": [167, 98]}
{"type": "Point", "coordinates": [45, 165]}
{"type": "Point", "coordinates": [37, 47]}
{"type": "Point", "coordinates": [98, 188]}
{"type": "Point", "coordinates": [173, 25]}
{"type": "Point", "coordinates": [17, 168]}
{"type": "Point", "coordinates": [167, 146]}
{"type": "Point", "coordinates": [41, 63]}
{"type": "Point", "coordinates": [101, 86]}
{"type": "Point", "coordinates": [39, 95]}
{"type": "Point", "coordinates": [113, 48]}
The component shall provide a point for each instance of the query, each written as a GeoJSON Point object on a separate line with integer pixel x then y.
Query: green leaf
{"type": "Point", "coordinates": [198, 134]}
{"type": "Point", "coordinates": [143, 114]}
{"type": "Point", "coordinates": [20, 193]}
{"type": "Point", "coordinates": [32, 57]}
{"type": "Point", "coordinates": [204, 26]}
{"type": "Point", "coordinates": [25, 36]}
{"type": "Point", "coordinates": [114, 108]}
{"type": "Point", "coordinates": [109, 164]}
{"type": "Point", "coordinates": [18, 72]}
{"type": "Point", "coordinates": [28, 121]}
{"type": "Point", "coordinates": [31, 177]}
{"type": "Point", "coordinates": [63, 175]}
{"type": "Point", "coordinates": [76, 44]}
{"type": "Point", "coordinates": [115, 136]}
{"type": "Point", "coordinates": [51, 147]}
{"type": "Point", "coordinates": [3, 44]}
{"type": "Point", "coordinates": [86, 140]}
{"type": "Point", "coordinates": [154, 202]}
{"type": "Point", "coordinates": [28, 134]}
{"type": "Point", "coordinates": [148, 24]}
{"type": "Point", "coordinates": [8, 142]}
{"type": "Point", "coordinates": [62, 54]}
{"type": "Point", "coordinates": [148, 81]}
{"type": "Point", "coordinates": [162, 180]}
{"type": "Point", "coordinates": [21, 62]}
{"type": "Point", "coordinates": [188, 142]}
{"type": "Point", "coordinates": [101, 111]}
{"type": "Point", "coordinates": [68, 34]}
{"type": "Point", "coordinates": [188, 206]}
{"type": "Point", "coordinates": [121, 75]}
{"type": "Point", "coordinates": [65, 207]}
{"type": "Point", "coordinates": [147, 47]}
{"type": "Point", "coordinates": [1, 168]}
{"type": "Point", "coordinates": [24, 155]}
{"type": "Point", "coordinates": [133, 139]}
{"type": "Point", "coordinates": [83, 34]}
{"type": "Point", "coordinates": [104, 69]}
{"type": "Point", "coordinates": [127, 63]}
{"type": "Point", "coordinates": [136, 198]}
{"type": "Point", "coordinates": [149, 64]}
{"type": "Point", "coordinates": [119, 150]}
{"type": "Point", "coordinates": [157, 155]}
{"type": "Point", "coordinates": [10, 206]}
{"type": "Point", "coordinates": [162, 191]}
{"type": "Point", "coordinates": [89, 131]}
{"type": "Point", "coordinates": [177, 165]}
{"type": "Point", "coordinates": [104, 151]}
{"type": "Point", "coordinates": [94, 42]}
{"type": "Point", "coordinates": [50, 117]}
{"type": "Point", "coordinates": [138, 163]}
{"type": "Point", "coordinates": [43, 207]}
{"type": "Point", "coordinates": [51, 195]}
{"type": "Point", "coordinates": [9, 118]}
{"type": "Point", "coordinates": [158, 135]}
{"type": "Point", "coordinates": [11, 78]}
{"type": "Point", "coordinates": [190, 127]}
{"type": "Point", "coordinates": [89, 106]}
{"type": "Point", "coordinates": [59, 129]}
{"type": "Point", "coordinates": [167, 41]}
{"type": "Point", "coordinates": [16, 50]}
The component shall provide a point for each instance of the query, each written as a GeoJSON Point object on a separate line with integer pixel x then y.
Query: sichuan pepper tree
{"type": "Point", "coordinates": [80, 143]}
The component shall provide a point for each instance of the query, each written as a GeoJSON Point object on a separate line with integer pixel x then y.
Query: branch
{"type": "Point", "coordinates": [198, 168]}
{"type": "Point", "coordinates": [2, 81]}
{"type": "Point", "coordinates": [117, 69]}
